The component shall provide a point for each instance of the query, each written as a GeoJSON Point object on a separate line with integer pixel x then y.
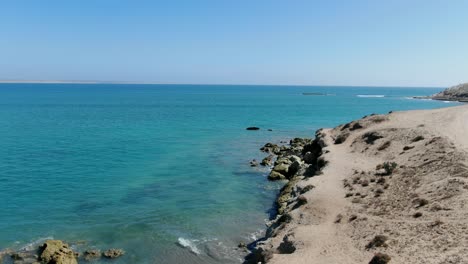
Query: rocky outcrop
{"type": "Point", "coordinates": [57, 252]}
{"type": "Point", "coordinates": [454, 93]}
{"type": "Point", "coordinates": [294, 162]}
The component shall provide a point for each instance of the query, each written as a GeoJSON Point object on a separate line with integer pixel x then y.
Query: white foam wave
{"type": "Point", "coordinates": [33, 245]}
{"type": "Point", "coordinates": [371, 95]}
{"type": "Point", "coordinates": [189, 244]}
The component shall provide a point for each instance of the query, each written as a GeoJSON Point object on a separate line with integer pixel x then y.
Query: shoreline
{"type": "Point", "coordinates": [373, 197]}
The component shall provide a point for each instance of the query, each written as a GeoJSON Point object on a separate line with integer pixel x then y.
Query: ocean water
{"type": "Point", "coordinates": [161, 171]}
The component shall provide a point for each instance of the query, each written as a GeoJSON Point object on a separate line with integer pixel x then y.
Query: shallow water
{"type": "Point", "coordinates": [159, 170]}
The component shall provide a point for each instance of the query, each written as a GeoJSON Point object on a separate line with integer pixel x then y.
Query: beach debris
{"type": "Point", "coordinates": [380, 258]}
{"type": "Point", "coordinates": [56, 252]}
{"type": "Point", "coordinates": [113, 253]}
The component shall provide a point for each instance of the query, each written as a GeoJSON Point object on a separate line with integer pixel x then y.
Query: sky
{"type": "Point", "coordinates": [334, 42]}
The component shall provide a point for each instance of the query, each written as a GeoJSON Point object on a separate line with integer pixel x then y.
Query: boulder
{"type": "Point", "coordinates": [56, 252]}
{"type": "Point", "coordinates": [275, 176]}
{"type": "Point", "coordinates": [294, 168]}
{"type": "Point", "coordinates": [267, 161]}
{"type": "Point", "coordinates": [281, 168]}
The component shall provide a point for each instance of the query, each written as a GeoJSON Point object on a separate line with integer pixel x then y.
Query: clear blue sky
{"type": "Point", "coordinates": [398, 42]}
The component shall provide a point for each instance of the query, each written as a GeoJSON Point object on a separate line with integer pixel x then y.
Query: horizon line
{"type": "Point", "coordinates": [194, 84]}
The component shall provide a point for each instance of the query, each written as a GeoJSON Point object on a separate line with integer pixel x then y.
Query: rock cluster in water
{"type": "Point", "coordinates": [57, 252]}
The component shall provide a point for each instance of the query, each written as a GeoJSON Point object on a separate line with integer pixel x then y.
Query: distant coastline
{"type": "Point", "coordinates": [208, 84]}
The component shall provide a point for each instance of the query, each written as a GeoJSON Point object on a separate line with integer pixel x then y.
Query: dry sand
{"type": "Point", "coordinates": [419, 211]}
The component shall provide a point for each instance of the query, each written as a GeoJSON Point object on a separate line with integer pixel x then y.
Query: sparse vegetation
{"type": "Point", "coordinates": [417, 215]}
{"type": "Point", "coordinates": [405, 148]}
{"type": "Point", "coordinates": [341, 138]}
{"type": "Point", "coordinates": [389, 167]}
{"type": "Point", "coordinates": [371, 137]}
{"type": "Point", "coordinates": [377, 241]}
{"type": "Point", "coordinates": [384, 146]}
{"type": "Point", "coordinates": [356, 126]}
{"type": "Point", "coordinates": [380, 258]}
{"type": "Point", "coordinates": [418, 138]}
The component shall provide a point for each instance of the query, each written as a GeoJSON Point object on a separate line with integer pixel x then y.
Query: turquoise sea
{"type": "Point", "coordinates": [161, 171]}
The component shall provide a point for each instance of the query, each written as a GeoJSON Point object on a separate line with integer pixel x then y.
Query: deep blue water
{"type": "Point", "coordinates": [150, 167]}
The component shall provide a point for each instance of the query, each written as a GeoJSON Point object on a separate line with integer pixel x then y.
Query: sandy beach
{"type": "Point", "coordinates": [394, 186]}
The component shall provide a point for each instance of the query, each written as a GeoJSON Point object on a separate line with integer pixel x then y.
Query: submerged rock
{"type": "Point", "coordinates": [267, 161]}
{"type": "Point", "coordinates": [56, 252]}
{"type": "Point", "coordinates": [113, 253]}
{"type": "Point", "coordinates": [253, 163]}
{"type": "Point", "coordinates": [91, 254]}
{"type": "Point", "coordinates": [270, 148]}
